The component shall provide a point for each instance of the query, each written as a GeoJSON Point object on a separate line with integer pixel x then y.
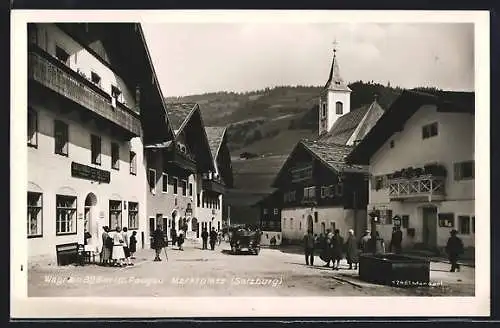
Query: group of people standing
{"type": "Point", "coordinates": [118, 247]}
{"type": "Point", "coordinates": [160, 242]}
{"type": "Point", "coordinates": [214, 238]}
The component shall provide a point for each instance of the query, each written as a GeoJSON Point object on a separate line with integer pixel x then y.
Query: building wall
{"type": "Point", "coordinates": [50, 174]}
{"type": "Point", "coordinates": [49, 36]}
{"type": "Point", "coordinates": [167, 203]}
{"type": "Point", "coordinates": [206, 213]}
{"type": "Point", "coordinates": [333, 96]}
{"type": "Point", "coordinates": [454, 143]}
{"type": "Point", "coordinates": [344, 220]}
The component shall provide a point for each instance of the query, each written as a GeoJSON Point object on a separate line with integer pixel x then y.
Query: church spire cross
{"type": "Point", "coordinates": [335, 43]}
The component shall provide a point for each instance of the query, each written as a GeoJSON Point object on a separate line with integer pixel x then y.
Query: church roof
{"type": "Point", "coordinates": [215, 135]}
{"type": "Point", "coordinates": [373, 114]}
{"type": "Point", "coordinates": [335, 81]}
{"type": "Point", "coordinates": [344, 126]}
{"type": "Point", "coordinates": [333, 155]}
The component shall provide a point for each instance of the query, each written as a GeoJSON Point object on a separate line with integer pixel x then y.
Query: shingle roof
{"type": "Point", "coordinates": [178, 112]}
{"type": "Point", "coordinates": [332, 154]}
{"type": "Point", "coordinates": [215, 134]}
{"type": "Point", "coordinates": [374, 113]}
{"type": "Point", "coordinates": [344, 127]}
{"type": "Point", "coordinates": [257, 174]}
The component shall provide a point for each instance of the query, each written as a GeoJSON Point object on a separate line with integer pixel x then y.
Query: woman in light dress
{"type": "Point", "coordinates": [118, 252]}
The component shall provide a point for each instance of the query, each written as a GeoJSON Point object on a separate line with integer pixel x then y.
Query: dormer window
{"type": "Point", "coordinates": [62, 55]}
{"type": "Point", "coordinates": [95, 78]}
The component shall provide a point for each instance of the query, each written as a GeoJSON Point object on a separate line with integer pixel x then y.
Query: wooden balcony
{"type": "Point", "coordinates": [214, 185]}
{"type": "Point", "coordinates": [183, 161]}
{"type": "Point", "coordinates": [56, 76]}
{"type": "Point", "coordinates": [427, 187]}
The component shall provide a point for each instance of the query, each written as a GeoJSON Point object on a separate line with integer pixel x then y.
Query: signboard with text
{"type": "Point", "coordinates": [89, 173]}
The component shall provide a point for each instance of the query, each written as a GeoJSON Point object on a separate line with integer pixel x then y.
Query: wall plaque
{"type": "Point", "coordinates": [89, 173]}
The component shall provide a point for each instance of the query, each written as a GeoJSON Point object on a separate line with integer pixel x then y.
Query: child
{"type": "Point", "coordinates": [133, 243]}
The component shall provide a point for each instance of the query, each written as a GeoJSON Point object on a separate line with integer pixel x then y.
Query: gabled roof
{"type": "Point", "coordinates": [407, 104]}
{"type": "Point", "coordinates": [179, 114]}
{"type": "Point", "coordinates": [373, 114]}
{"type": "Point", "coordinates": [215, 135]}
{"type": "Point", "coordinates": [344, 126]}
{"type": "Point", "coordinates": [332, 155]}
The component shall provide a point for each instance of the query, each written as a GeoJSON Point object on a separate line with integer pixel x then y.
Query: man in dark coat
{"type": "Point", "coordinates": [364, 241]}
{"type": "Point", "coordinates": [309, 248]}
{"type": "Point", "coordinates": [204, 238]}
{"type": "Point", "coordinates": [327, 250]}
{"type": "Point", "coordinates": [351, 247]}
{"type": "Point", "coordinates": [337, 249]}
{"type": "Point", "coordinates": [396, 240]}
{"type": "Point", "coordinates": [454, 248]}
{"type": "Point", "coordinates": [173, 236]}
{"type": "Point", "coordinates": [158, 242]}
{"type": "Point", "coordinates": [213, 238]}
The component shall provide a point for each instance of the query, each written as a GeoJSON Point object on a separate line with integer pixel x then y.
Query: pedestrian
{"type": "Point", "coordinates": [173, 236]}
{"type": "Point", "coordinates": [309, 248]}
{"type": "Point", "coordinates": [273, 241]}
{"type": "Point", "coordinates": [219, 237]}
{"type": "Point", "coordinates": [213, 238]}
{"type": "Point", "coordinates": [396, 240]}
{"type": "Point", "coordinates": [364, 242]}
{"type": "Point", "coordinates": [158, 242]}
{"type": "Point", "coordinates": [126, 249]}
{"type": "Point", "coordinates": [107, 246]}
{"type": "Point", "coordinates": [180, 239]}
{"type": "Point", "coordinates": [133, 245]}
{"type": "Point", "coordinates": [118, 252]}
{"type": "Point", "coordinates": [337, 249]}
{"type": "Point", "coordinates": [204, 238]}
{"type": "Point", "coordinates": [351, 247]}
{"type": "Point", "coordinates": [326, 254]}
{"type": "Point", "coordinates": [454, 248]}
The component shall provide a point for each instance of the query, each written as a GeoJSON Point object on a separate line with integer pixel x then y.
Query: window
{"type": "Point", "coordinates": [115, 214]}
{"type": "Point", "coordinates": [392, 144]}
{"type": "Point", "coordinates": [65, 215]}
{"type": "Point", "coordinates": [446, 220]}
{"type": "Point", "coordinates": [464, 170]}
{"type": "Point", "coordinates": [429, 130]}
{"type": "Point", "coordinates": [198, 200]}
{"type": "Point", "coordinates": [323, 110]}
{"type": "Point", "coordinates": [61, 138]}
{"type": "Point", "coordinates": [175, 184]}
{"type": "Point", "coordinates": [95, 78]}
{"type": "Point", "coordinates": [133, 163]}
{"type": "Point", "coordinates": [405, 221]}
{"type": "Point", "coordinates": [276, 211]}
{"type": "Point", "coordinates": [464, 224]}
{"type": "Point", "coordinates": [309, 192]}
{"type": "Point", "coordinates": [324, 191]}
{"type": "Point", "coordinates": [300, 225]}
{"type": "Point", "coordinates": [96, 149]}
{"type": "Point", "coordinates": [152, 181]}
{"type": "Point", "coordinates": [164, 181]}
{"type": "Point", "coordinates": [35, 206]}
{"type": "Point", "coordinates": [265, 211]}
{"type": "Point", "coordinates": [133, 215]}
{"type": "Point", "coordinates": [62, 55]}
{"type": "Point", "coordinates": [115, 156]}
{"type": "Point", "coordinates": [184, 187]}
{"type": "Point", "coordinates": [315, 217]}
{"type": "Point", "coordinates": [339, 110]}
{"type": "Point", "coordinates": [32, 128]}
{"type": "Point", "coordinates": [386, 216]}
{"type": "Point", "coordinates": [190, 189]}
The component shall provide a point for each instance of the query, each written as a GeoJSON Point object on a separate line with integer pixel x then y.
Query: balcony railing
{"type": "Point", "coordinates": [430, 187]}
{"type": "Point", "coordinates": [213, 184]}
{"type": "Point", "coordinates": [182, 160]}
{"type": "Point", "coordinates": [51, 73]}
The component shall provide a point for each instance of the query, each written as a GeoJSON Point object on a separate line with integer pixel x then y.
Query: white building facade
{"type": "Point", "coordinates": [423, 171]}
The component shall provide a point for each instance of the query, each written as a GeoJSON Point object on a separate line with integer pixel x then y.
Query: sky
{"type": "Point", "coordinates": [194, 58]}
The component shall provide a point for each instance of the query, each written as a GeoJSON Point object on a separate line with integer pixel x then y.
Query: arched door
{"type": "Point", "coordinates": [91, 229]}
{"type": "Point", "coordinates": [309, 223]}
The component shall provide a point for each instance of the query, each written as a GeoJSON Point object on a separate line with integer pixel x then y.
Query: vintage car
{"type": "Point", "coordinates": [245, 240]}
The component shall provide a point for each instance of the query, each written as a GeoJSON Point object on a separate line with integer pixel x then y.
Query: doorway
{"type": "Point", "coordinates": [309, 223]}
{"type": "Point", "coordinates": [429, 229]}
{"type": "Point", "coordinates": [91, 229]}
{"type": "Point", "coordinates": [152, 227]}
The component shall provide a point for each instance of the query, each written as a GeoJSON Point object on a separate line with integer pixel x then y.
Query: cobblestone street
{"type": "Point", "coordinates": [196, 272]}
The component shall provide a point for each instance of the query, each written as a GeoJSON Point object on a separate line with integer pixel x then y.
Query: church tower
{"type": "Point", "coordinates": [335, 98]}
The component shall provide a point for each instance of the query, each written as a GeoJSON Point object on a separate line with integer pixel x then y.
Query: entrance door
{"type": "Point", "coordinates": [309, 223]}
{"type": "Point", "coordinates": [90, 224]}
{"type": "Point", "coordinates": [429, 231]}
